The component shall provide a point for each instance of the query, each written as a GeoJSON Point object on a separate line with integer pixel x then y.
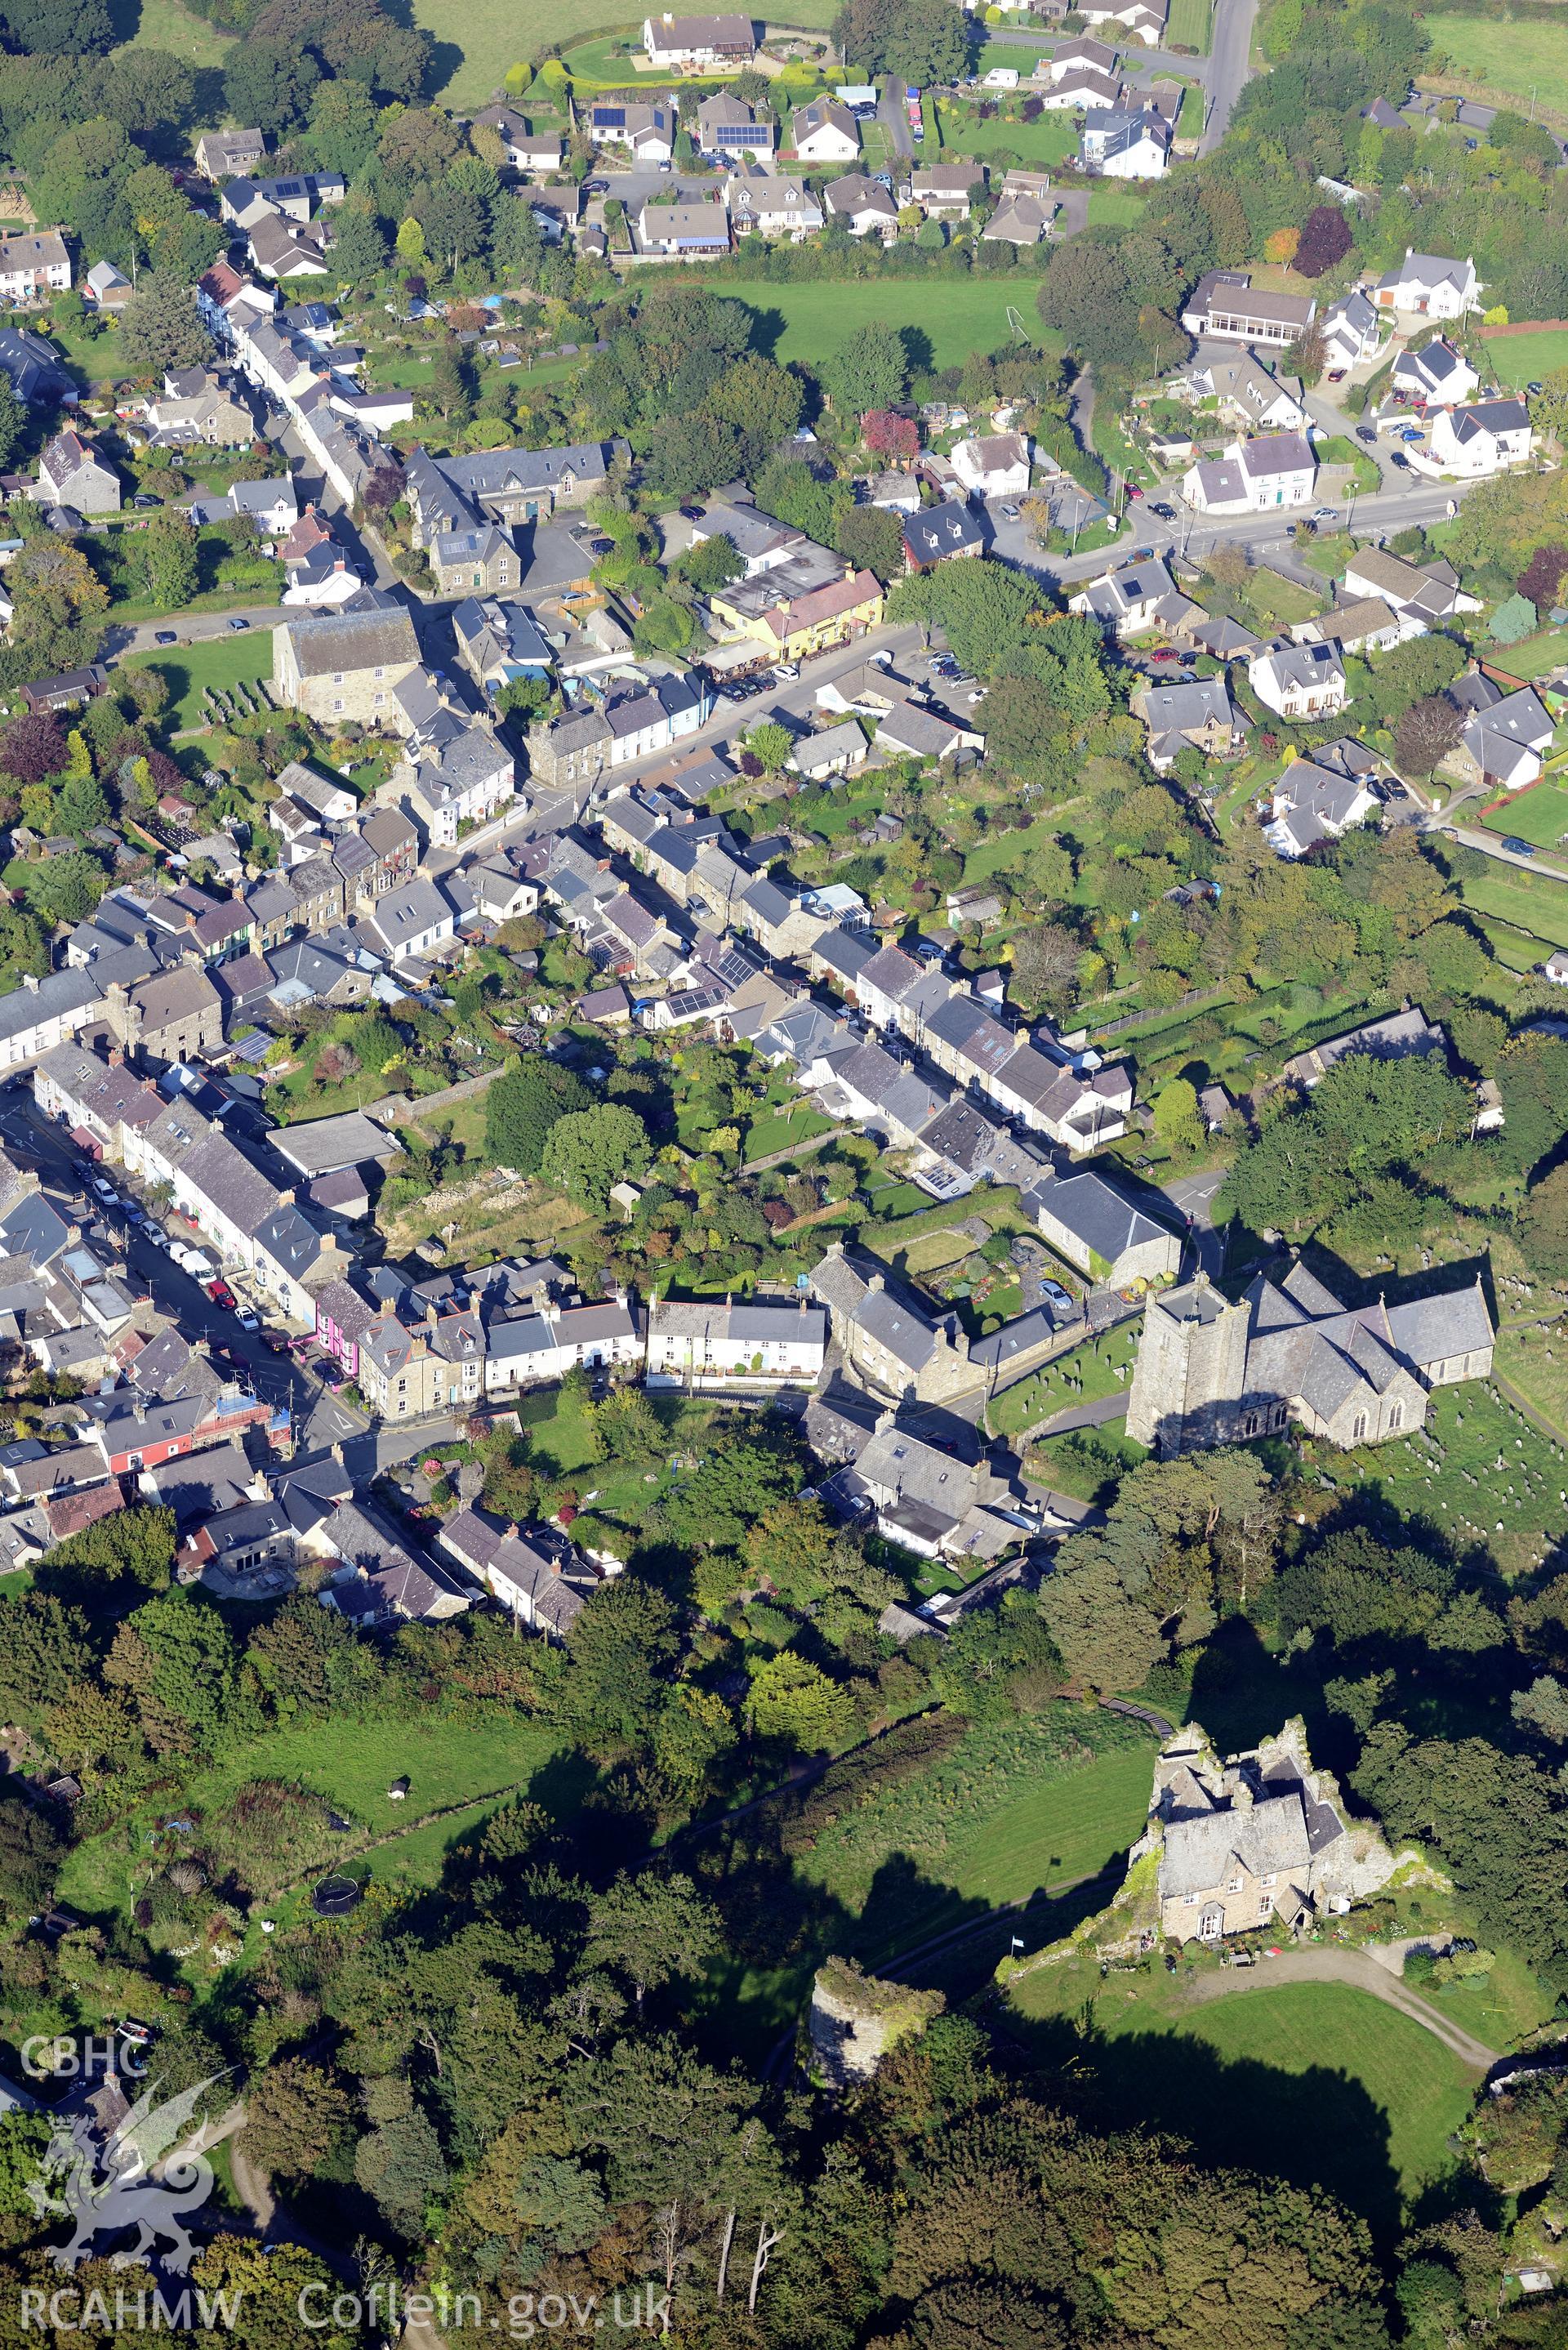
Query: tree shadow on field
{"type": "Point", "coordinates": [1316, 2128]}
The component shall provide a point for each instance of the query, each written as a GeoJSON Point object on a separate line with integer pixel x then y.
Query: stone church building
{"type": "Point", "coordinates": [1289, 1353]}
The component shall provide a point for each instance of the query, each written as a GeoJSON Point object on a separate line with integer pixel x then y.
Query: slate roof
{"type": "Point", "coordinates": [330, 642]}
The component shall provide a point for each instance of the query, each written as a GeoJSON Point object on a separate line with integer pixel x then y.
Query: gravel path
{"type": "Point", "coordinates": [1361, 1973]}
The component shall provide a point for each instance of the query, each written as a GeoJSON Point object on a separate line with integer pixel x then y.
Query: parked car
{"type": "Point", "coordinates": [221, 1294]}
{"type": "Point", "coordinates": [333, 1380]}
{"type": "Point", "coordinates": [1366, 432]}
{"type": "Point", "coordinates": [1519, 848]}
{"type": "Point", "coordinates": [1533, 390]}
{"type": "Point", "coordinates": [692, 514]}
{"type": "Point", "coordinates": [165, 637]}
{"type": "Point", "coordinates": [236, 624]}
{"type": "Point", "coordinates": [786, 672]}
{"type": "Point", "coordinates": [1011, 512]}
{"type": "Point", "coordinates": [1059, 1298]}
{"type": "Point", "coordinates": [248, 1321]}
{"type": "Point", "coordinates": [1400, 460]}
{"type": "Point", "coordinates": [102, 1190]}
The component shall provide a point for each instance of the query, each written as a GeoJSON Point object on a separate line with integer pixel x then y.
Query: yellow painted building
{"type": "Point", "coordinates": [813, 623]}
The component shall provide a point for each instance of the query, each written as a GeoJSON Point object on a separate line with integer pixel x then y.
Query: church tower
{"type": "Point", "coordinates": [1192, 1369]}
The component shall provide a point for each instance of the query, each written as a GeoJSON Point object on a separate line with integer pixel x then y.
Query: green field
{"type": "Point", "coordinates": [1189, 24]}
{"type": "Point", "coordinates": [1539, 815]}
{"type": "Point", "coordinates": [1528, 358]}
{"type": "Point", "coordinates": [955, 315]}
{"type": "Point", "coordinates": [1531, 901]}
{"type": "Point", "coordinates": [1016, 1807]}
{"type": "Point", "coordinates": [217, 661]}
{"type": "Point", "coordinates": [165, 25]}
{"type": "Point", "coordinates": [1520, 58]}
{"type": "Point", "coordinates": [1317, 2082]}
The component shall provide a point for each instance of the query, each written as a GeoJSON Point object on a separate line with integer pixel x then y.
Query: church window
{"type": "Point", "coordinates": [1359, 1429]}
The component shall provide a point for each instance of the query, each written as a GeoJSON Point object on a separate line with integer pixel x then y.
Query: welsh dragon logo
{"type": "Point", "coordinates": [103, 2189]}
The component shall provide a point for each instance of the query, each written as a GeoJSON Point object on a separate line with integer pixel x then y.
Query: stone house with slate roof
{"type": "Point", "coordinates": [897, 1348]}
{"type": "Point", "coordinates": [1260, 1838]}
{"type": "Point", "coordinates": [539, 1576]}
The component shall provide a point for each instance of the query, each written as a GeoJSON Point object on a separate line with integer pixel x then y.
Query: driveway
{"type": "Point", "coordinates": [1360, 1971]}
{"type": "Point", "coordinates": [895, 122]}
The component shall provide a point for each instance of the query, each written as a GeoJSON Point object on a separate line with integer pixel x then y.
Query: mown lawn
{"type": "Point", "coordinates": [1189, 24]}
{"type": "Point", "coordinates": [477, 41]}
{"type": "Point", "coordinates": [1539, 814]}
{"type": "Point", "coordinates": [1535, 1361]}
{"type": "Point", "coordinates": [1038, 145]}
{"type": "Point", "coordinates": [165, 25]}
{"type": "Point", "coordinates": [218, 662]}
{"type": "Point", "coordinates": [955, 316]}
{"type": "Point", "coordinates": [1527, 359]}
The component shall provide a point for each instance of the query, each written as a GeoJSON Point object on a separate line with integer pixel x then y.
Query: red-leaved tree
{"type": "Point", "coordinates": [1325, 239]}
{"type": "Point", "coordinates": [32, 747]}
{"type": "Point", "coordinates": [889, 435]}
{"type": "Point", "coordinates": [1541, 576]}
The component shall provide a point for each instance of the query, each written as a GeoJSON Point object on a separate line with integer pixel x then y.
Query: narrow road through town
{"type": "Point", "coordinates": [1230, 66]}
